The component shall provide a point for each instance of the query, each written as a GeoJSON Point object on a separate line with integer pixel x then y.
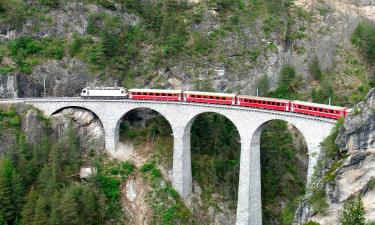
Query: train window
{"type": "Point", "coordinates": [84, 91]}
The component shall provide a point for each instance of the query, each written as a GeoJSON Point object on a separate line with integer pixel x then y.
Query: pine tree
{"type": "Point", "coordinates": [69, 207]}
{"type": "Point", "coordinates": [353, 212]}
{"type": "Point", "coordinates": [54, 218]}
{"type": "Point", "coordinates": [7, 209]}
{"type": "Point", "coordinates": [28, 210]}
{"type": "Point", "coordinates": [18, 191]}
{"type": "Point", "coordinates": [89, 209]}
{"type": "Point", "coordinates": [41, 213]}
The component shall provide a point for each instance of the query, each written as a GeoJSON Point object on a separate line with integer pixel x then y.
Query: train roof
{"type": "Point", "coordinates": [319, 105]}
{"type": "Point", "coordinates": [155, 90]}
{"type": "Point", "coordinates": [209, 93]}
{"type": "Point", "coordinates": [265, 98]}
{"type": "Point", "coordinates": [103, 88]}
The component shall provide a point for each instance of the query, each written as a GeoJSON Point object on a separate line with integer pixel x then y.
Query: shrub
{"type": "Point", "coordinates": [318, 201]}
{"type": "Point", "coordinates": [354, 212]}
{"type": "Point", "coordinates": [49, 3]}
{"type": "Point", "coordinates": [364, 38]}
{"type": "Point", "coordinates": [315, 70]}
{"type": "Point", "coordinates": [107, 4]}
{"type": "Point", "coordinates": [312, 223]}
{"type": "Point", "coordinates": [263, 85]}
{"type": "Point", "coordinates": [287, 84]}
{"type": "Point", "coordinates": [329, 145]}
{"type": "Point", "coordinates": [5, 70]}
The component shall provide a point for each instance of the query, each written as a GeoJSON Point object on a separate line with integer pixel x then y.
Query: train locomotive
{"type": "Point", "coordinates": [315, 109]}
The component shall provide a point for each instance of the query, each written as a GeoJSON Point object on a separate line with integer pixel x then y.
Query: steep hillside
{"type": "Point", "coordinates": [295, 49]}
{"type": "Point", "coordinates": [350, 173]}
{"type": "Point", "coordinates": [208, 45]}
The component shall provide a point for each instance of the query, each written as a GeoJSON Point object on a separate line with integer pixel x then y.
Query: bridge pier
{"type": "Point", "coordinates": [249, 204]}
{"type": "Point", "coordinates": [182, 178]}
{"type": "Point", "coordinates": [111, 136]}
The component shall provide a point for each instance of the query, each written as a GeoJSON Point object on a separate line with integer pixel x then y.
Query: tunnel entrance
{"type": "Point", "coordinates": [145, 134]}
{"type": "Point", "coordinates": [215, 149]}
{"type": "Point", "coordinates": [284, 164]}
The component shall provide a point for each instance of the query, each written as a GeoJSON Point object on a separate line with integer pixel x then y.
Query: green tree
{"type": "Point", "coordinates": [54, 218]}
{"type": "Point", "coordinates": [8, 198]}
{"type": "Point", "coordinates": [287, 85]}
{"type": "Point", "coordinates": [41, 211]}
{"type": "Point", "coordinates": [354, 212]}
{"type": "Point", "coordinates": [263, 85]}
{"type": "Point", "coordinates": [18, 191]}
{"type": "Point", "coordinates": [28, 210]}
{"type": "Point", "coordinates": [364, 38]}
{"type": "Point", "coordinates": [315, 70]}
{"type": "Point", "coordinates": [69, 207]}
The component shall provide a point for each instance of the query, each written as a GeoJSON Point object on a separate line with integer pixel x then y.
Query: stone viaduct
{"type": "Point", "coordinates": [249, 123]}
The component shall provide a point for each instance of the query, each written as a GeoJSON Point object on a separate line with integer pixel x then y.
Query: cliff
{"type": "Point", "coordinates": [354, 173]}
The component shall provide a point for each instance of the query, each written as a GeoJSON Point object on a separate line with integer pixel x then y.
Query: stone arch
{"type": "Point", "coordinates": [190, 122]}
{"type": "Point", "coordinates": [293, 149]}
{"type": "Point", "coordinates": [128, 111]}
{"type": "Point", "coordinates": [188, 145]}
{"type": "Point", "coordinates": [87, 123]}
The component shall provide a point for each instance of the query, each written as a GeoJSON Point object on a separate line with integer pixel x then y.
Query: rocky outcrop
{"type": "Point", "coordinates": [228, 68]}
{"type": "Point", "coordinates": [356, 175]}
{"type": "Point", "coordinates": [358, 130]}
{"type": "Point", "coordinates": [88, 127]}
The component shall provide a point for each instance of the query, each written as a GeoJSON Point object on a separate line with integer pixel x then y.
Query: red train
{"type": "Point", "coordinates": [321, 110]}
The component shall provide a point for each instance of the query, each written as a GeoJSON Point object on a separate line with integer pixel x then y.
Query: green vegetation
{"type": "Point", "coordinates": [318, 201]}
{"type": "Point", "coordinates": [283, 178]}
{"type": "Point", "coordinates": [312, 223]}
{"type": "Point", "coordinates": [329, 146]}
{"type": "Point", "coordinates": [317, 194]}
{"type": "Point", "coordinates": [28, 52]}
{"type": "Point", "coordinates": [167, 207]}
{"type": "Point", "coordinates": [288, 84]}
{"type": "Point", "coordinates": [13, 12]}
{"type": "Point", "coordinates": [49, 3]}
{"type": "Point", "coordinates": [216, 156]}
{"type": "Point", "coordinates": [39, 184]}
{"type": "Point", "coordinates": [364, 38]}
{"type": "Point", "coordinates": [354, 212]}
{"type": "Point", "coordinates": [315, 70]}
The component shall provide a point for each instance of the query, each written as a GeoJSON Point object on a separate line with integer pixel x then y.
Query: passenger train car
{"type": "Point", "coordinates": [321, 110]}
{"type": "Point", "coordinates": [155, 94]}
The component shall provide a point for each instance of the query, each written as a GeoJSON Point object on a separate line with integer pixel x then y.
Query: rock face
{"type": "Point", "coordinates": [228, 68]}
{"type": "Point", "coordinates": [358, 131]}
{"type": "Point", "coordinates": [89, 128]}
{"type": "Point", "coordinates": [356, 175]}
